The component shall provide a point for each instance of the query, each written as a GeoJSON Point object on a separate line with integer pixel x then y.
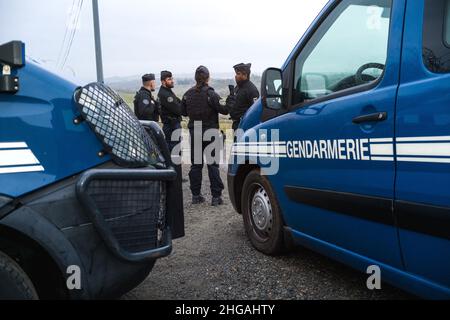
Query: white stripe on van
{"type": "Point", "coordinates": [382, 149]}
{"type": "Point", "coordinates": [423, 139]}
{"type": "Point", "coordinates": [424, 149]}
{"type": "Point", "coordinates": [17, 158]}
{"type": "Point", "coordinates": [381, 140]}
{"type": "Point", "coordinates": [13, 145]}
{"type": "Point", "coordinates": [424, 160]}
{"type": "Point", "coordinates": [409, 149]}
{"type": "Point", "coordinates": [21, 169]}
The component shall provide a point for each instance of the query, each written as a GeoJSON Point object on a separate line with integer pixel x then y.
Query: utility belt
{"type": "Point", "coordinates": [205, 124]}
{"type": "Point", "coordinates": [170, 121]}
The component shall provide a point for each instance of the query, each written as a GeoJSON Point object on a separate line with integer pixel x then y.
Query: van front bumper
{"type": "Point", "coordinates": [232, 192]}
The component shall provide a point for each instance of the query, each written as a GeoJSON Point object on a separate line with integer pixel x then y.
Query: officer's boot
{"type": "Point", "coordinates": [198, 199]}
{"type": "Point", "coordinates": [216, 201]}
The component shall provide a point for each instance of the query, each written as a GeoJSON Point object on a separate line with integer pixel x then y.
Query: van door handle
{"type": "Point", "coordinates": [374, 117]}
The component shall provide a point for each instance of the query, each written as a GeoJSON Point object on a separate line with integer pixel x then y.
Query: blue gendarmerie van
{"type": "Point", "coordinates": [357, 122]}
{"type": "Point", "coordinates": [89, 197]}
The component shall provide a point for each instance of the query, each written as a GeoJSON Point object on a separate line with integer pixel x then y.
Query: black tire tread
{"type": "Point", "coordinates": [18, 277]}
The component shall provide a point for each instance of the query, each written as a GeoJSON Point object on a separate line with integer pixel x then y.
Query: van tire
{"type": "Point", "coordinates": [15, 284]}
{"type": "Point", "coordinates": [266, 235]}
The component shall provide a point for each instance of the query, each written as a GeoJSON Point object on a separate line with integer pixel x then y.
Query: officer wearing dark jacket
{"type": "Point", "coordinates": [244, 95]}
{"type": "Point", "coordinates": [202, 105]}
{"type": "Point", "coordinates": [171, 119]}
{"type": "Point", "coordinates": [170, 108]}
{"type": "Point", "coordinates": [146, 107]}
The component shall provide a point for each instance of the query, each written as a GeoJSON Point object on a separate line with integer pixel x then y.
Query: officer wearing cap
{"type": "Point", "coordinates": [244, 95]}
{"type": "Point", "coordinates": [202, 105]}
{"type": "Point", "coordinates": [146, 107]}
{"type": "Point", "coordinates": [170, 108]}
{"type": "Point", "coordinates": [171, 119]}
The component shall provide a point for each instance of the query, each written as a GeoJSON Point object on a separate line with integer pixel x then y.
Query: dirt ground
{"type": "Point", "coordinates": [216, 261]}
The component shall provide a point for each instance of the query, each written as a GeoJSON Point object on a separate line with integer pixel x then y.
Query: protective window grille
{"type": "Point", "coordinates": [117, 127]}
{"type": "Point", "coordinates": [134, 211]}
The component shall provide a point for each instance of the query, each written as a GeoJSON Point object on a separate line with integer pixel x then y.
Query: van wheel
{"type": "Point", "coordinates": [15, 284]}
{"type": "Point", "coordinates": [262, 215]}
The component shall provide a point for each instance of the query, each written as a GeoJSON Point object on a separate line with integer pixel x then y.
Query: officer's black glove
{"type": "Point", "coordinates": [231, 100]}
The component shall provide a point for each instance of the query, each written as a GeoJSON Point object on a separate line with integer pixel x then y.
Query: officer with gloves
{"type": "Point", "coordinates": [146, 107]}
{"type": "Point", "coordinates": [202, 105]}
{"type": "Point", "coordinates": [244, 95]}
{"type": "Point", "coordinates": [170, 108]}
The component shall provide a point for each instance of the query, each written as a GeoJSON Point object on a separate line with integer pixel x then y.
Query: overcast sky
{"type": "Point", "coordinates": [141, 36]}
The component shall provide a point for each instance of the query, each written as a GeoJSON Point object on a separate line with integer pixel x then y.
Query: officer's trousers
{"type": "Point", "coordinates": [196, 174]}
{"type": "Point", "coordinates": [168, 129]}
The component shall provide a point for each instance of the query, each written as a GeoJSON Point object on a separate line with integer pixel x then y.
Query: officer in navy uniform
{"type": "Point", "coordinates": [171, 119]}
{"type": "Point", "coordinates": [146, 107]}
{"type": "Point", "coordinates": [170, 108]}
{"type": "Point", "coordinates": [244, 95]}
{"type": "Point", "coordinates": [202, 104]}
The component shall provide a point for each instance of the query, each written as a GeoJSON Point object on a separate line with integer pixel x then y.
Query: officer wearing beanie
{"type": "Point", "coordinates": [146, 107]}
{"type": "Point", "coordinates": [202, 105]}
{"type": "Point", "coordinates": [244, 95]}
{"type": "Point", "coordinates": [170, 108]}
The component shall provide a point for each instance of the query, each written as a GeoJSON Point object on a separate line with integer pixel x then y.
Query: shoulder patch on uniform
{"type": "Point", "coordinates": [170, 99]}
{"type": "Point", "coordinates": [146, 102]}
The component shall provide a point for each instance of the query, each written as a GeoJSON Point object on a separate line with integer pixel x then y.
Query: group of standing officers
{"type": "Point", "coordinates": [201, 104]}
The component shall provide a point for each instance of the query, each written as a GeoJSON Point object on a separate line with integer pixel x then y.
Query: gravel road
{"type": "Point", "coordinates": [216, 261]}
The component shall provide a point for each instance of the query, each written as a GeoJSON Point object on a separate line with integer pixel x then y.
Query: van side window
{"type": "Point", "coordinates": [436, 36]}
{"type": "Point", "coordinates": [349, 49]}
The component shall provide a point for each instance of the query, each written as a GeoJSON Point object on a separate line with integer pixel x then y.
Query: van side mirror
{"type": "Point", "coordinates": [272, 89]}
{"type": "Point", "coordinates": [12, 56]}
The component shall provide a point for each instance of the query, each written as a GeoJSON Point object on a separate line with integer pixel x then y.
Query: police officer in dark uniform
{"type": "Point", "coordinates": [170, 108]}
{"type": "Point", "coordinates": [202, 105]}
{"type": "Point", "coordinates": [244, 96]}
{"type": "Point", "coordinates": [146, 107]}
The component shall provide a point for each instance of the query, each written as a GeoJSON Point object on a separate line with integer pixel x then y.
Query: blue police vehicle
{"type": "Point", "coordinates": [89, 198]}
{"type": "Point", "coordinates": [357, 124]}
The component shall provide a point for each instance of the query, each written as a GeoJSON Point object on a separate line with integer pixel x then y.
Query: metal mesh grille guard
{"type": "Point", "coordinates": [133, 210]}
{"type": "Point", "coordinates": [117, 127]}
{"type": "Point", "coordinates": [128, 209]}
